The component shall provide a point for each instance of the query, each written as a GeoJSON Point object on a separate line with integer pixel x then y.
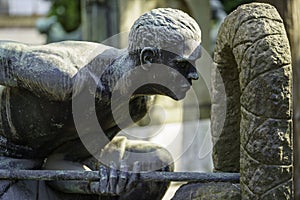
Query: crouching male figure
{"type": "Point", "coordinates": [62, 105]}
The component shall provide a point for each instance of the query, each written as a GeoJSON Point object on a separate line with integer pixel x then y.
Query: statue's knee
{"type": "Point", "coordinates": [152, 157]}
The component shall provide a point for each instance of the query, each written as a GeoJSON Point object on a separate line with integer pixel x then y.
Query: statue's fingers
{"type": "Point", "coordinates": [103, 182]}
{"type": "Point", "coordinates": [155, 165]}
{"type": "Point", "coordinates": [134, 175]}
{"type": "Point", "coordinates": [113, 178]}
{"type": "Point", "coordinates": [123, 178]}
{"type": "Point", "coordinates": [159, 165]}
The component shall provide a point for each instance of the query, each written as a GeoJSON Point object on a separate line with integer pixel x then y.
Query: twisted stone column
{"type": "Point", "coordinates": [252, 56]}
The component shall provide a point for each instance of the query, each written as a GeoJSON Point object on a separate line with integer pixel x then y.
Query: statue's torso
{"type": "Point", "coordinates": [32, 122]}
{"type": "Point", "coordinates": [36, 106]}
{"type": "Point", "coordinates": [34, 127]}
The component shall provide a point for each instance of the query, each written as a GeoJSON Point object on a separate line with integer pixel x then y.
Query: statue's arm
{"type": "Point", "coordinates": [117, 176]}
{"type": "Point", "coordinates": [45, 70]}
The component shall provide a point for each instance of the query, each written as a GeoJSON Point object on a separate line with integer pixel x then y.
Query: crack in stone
{"type": "Point", "coordinates": [265, 72]}
{"type": "Point", "coordinates": [274, 188]}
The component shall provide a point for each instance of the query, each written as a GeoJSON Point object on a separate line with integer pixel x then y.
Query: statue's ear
{"type": "Point", "coordinates": [147, 57]}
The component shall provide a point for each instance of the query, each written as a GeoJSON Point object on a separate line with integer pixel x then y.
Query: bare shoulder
{"type": "Point", "coordinates": [67, 56]}
{"type": "Point", "coordinates": [49, 69]}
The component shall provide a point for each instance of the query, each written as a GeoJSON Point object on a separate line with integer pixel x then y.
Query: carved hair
{"type": "Point", "coordinates": [162, 27]}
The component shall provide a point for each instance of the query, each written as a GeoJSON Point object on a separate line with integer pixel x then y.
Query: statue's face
{"type": "Point", "coordinates": [182, 58]}
{"type": "Point", "coordinates": [171, 71]}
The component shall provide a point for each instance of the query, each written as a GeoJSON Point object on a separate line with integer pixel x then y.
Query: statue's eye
{"type": "Point", "coordinates": [182, 64]}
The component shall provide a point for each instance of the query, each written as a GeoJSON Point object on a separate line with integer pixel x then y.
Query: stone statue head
{"type": "Point", "coordinates": [169, 37]}
{"type": "Point", "coordinates": [162, 28]}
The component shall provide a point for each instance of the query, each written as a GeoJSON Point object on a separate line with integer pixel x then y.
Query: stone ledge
{"type": "Point", "coordinates": [208, 191]}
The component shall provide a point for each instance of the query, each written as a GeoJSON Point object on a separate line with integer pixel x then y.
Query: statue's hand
{"type": "Point", "coordinates": [117, 182]}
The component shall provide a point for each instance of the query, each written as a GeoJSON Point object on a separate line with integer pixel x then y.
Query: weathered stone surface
{"type": "Point", "coordinates": [269, 94]}
{"type": "Point", "coordinates": [252, 56]}
{"type": "Point", "coordinates": [270, 142]}
{"type": "Point", "coordinates": [208, 191]}
{"type": "Point", "coordinates": [260, 179]}
{"type": "Point", "coordinates": [225, 118]}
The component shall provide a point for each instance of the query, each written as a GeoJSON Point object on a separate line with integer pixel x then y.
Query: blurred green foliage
{"type": "Point", "coordinates": [230, 5]}
{"type": "Point", "coordinates": [67, 12]}
{"type": "Point", "coordinates": [69, 15]}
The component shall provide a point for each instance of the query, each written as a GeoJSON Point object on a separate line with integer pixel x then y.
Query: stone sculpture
{"type": "Point", "coordinates": [253, 63]}
{"type": "Point", "coordinates": [253, 57]}
{"type": "Point", "coordinates": [41, 85]}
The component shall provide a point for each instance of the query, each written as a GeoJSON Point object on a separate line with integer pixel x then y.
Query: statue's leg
{"type": "Point", "coordinates": [64, 159]}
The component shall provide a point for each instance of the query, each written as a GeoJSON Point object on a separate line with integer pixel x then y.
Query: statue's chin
{"type": "Point", "coordinates": [176, 93]}
{"type": "Point", "coordinates": [178, 96]}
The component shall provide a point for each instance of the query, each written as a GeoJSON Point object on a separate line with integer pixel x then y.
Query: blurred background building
{"type": "Point", "coordinates": [18, 18]}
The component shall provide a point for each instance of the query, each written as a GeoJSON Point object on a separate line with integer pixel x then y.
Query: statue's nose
{"type": "Point", "coordinates": [193, 75]}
